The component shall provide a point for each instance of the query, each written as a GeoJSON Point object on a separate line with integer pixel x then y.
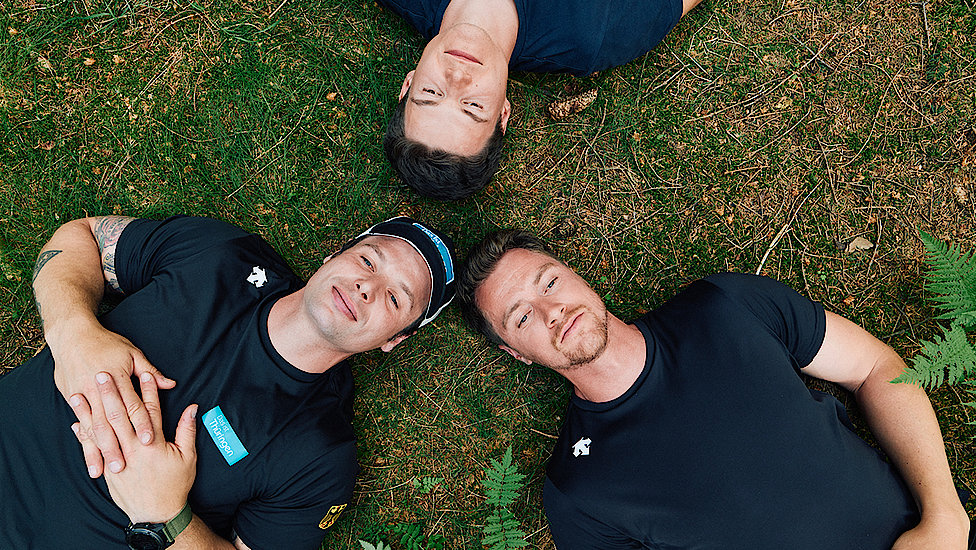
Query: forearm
{"type": "Point", "coordinates": [68, 281]}
{"type": "Point", "coordinates": [197, 536]}
{"type": "Point", "coordinates": [902, 420]}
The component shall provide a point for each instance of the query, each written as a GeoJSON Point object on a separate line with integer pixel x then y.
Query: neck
{"type": "Point", "coordinates": [616, 369]}
{"type": "Point", "coordinates": [498, 18]}
{"type": "Point", "coordinates": [295, 337]}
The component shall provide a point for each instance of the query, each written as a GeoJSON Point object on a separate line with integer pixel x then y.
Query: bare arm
{"type": "Point", "coordinates": [70, 276]}
{"type": "Point", "coordinates": [902, 419]}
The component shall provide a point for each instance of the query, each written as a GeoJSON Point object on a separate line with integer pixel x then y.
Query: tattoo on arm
{"type": "Point", "coordinates": [44, 258]}
{"type": "Point", "coordinates": [107, 231]}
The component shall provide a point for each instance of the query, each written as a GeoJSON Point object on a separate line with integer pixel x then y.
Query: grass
{"type": "Point", "coordinates": [760, 135]}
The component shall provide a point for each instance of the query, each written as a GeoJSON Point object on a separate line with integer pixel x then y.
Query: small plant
{"type": "Point", "coordinates": [411, 537]}
{"type": "Point", "coordinates": [426, 484]}
{"type": "Point", "coordinates": [379, 546]}
{"type": "Point", "coordinates": [502, 484]}
{"type": "Point", "coordinates": [949, 358]}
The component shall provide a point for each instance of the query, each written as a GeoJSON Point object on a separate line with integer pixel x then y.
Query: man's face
{"type": "Point", "coordinates": [543, 310]}
{"type": "Point", "coordinates": [457, 92]}
{"type": "Point", "coordinates": [362, 297]}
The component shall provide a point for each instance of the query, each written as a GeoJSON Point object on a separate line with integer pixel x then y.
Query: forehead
{"type": "Point", "coordinates": [445, 127]}
{"type": "Point", "coordinates": [410, 268]}
{"type": "Point", "coordinates": [515, 274]}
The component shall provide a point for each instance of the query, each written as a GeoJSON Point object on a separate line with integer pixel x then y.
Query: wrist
{"type": "Point", "coordinates": [70, 328]}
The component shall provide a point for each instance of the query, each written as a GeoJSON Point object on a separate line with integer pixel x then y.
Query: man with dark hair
{"type": "Point", "coordinates": [692, 427]}
{"type": "Point", "coordinates": [445, 136]}
{"type": "Point", "coordinates": [262, 353]}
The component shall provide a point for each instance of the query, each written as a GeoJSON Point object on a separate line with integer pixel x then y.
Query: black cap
{"type": "Point", "coordinates": [437, 250]}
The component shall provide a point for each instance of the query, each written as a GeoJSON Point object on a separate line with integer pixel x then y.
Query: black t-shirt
{"type": "Point", "coordinates": [198, 293]}
{"type": "Point", "coordinates": [579, 37]}
{"type": "Point", "coordinates": [719, 444]}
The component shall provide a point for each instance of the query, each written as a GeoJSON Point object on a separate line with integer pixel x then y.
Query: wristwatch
{"type": "Point", "coordinates": [156, 536]}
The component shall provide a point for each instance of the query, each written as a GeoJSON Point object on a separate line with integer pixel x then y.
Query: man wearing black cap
{"type": "Point", "coordinates": [236, 335]}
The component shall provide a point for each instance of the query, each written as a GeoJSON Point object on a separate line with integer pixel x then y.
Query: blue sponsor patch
{"type": "Point", "coordinates": [224, 436]}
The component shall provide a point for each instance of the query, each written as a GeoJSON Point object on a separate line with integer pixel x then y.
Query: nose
{"type": "Point", "coordinates": [457, 75]}
{"type": "Point", "coordinates": [365, 290]}
{"type": "Point", "coordinates": [555, 314]}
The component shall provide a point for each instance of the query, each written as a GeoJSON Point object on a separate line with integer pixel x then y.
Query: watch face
{"type": "Point", "coordinates": [140, 538]}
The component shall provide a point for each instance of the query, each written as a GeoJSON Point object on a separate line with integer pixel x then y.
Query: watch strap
{"type": "Point", "coordinates": [175, 526]}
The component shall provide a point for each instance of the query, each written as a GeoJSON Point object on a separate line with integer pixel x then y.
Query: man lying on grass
{"type": "Point", "coordinates": [692, 428]}
{"type": "Point", "coordinates": [445, 136]}
{"type": "Point", "coordinates": [233, 331]}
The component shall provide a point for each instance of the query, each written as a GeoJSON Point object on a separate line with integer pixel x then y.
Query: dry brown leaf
{"type": "Point", "coordinates": [89, 62]}
{"type": "Point", "coordinates": [46, 145]}
{"type": "Point", "coordinates": [573, 105]}
{"type": "Point", "coordinates": [330, 96]}
{"type": "Point", "coordinates": [117, 59]}
{"type": "Point", "coordinates": [44, 63]}
{"type": "Point", "coordinates": [12, 31]}
{"type": "Point", "coordinates": [859, 243]}
{"type": "Point", "coordinates": [962, 195]}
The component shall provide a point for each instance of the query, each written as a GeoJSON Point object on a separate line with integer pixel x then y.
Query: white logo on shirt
{"type": "Point", "coordinates": [582, 447]}
{"type": "Point", "coordinates": [257, 277]}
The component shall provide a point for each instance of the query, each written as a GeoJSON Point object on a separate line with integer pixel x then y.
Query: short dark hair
{"type": "Point", "coordinates": [437, 174]}
{"type": "Point", "coordinates": [412, 327]}
{"type": "Point", "coordinates": [481, 262]}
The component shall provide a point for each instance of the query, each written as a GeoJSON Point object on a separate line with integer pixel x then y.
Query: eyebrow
{"type": "Point", "coordinates": [403, 286]}
{"type": "Point", "coordinates": [431, 103]}
{"type": "Point", "coordinates": [535, 283]}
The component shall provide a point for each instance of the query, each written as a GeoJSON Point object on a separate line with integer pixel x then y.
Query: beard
{"type": "Point", "coordinates": [589, 344]}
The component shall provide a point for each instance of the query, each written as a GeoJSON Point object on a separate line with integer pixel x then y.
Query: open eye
{"type": "Point", "coordinates": [475, 104]}
{"type": "Point", "coordinates": [429, 91]}
{"type": "Point", "coordinates": [367, 263]}
{"type": "Point", "coordinates": [522, 320]}
{"type": "Point", "coordinates": [394, 300]}
{"type": "Point", "coordinates": [551, 283]}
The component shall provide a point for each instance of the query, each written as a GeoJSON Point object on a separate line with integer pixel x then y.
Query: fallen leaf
{"type": "Point", "coordinates": [330, 96]}
{"type": "Point", "coordinates": [46, 145]}
{"type": "Point", "coordinates": [962, 195]}
{"type": "Point", "coordinates": [859, 243]}
{"type": "Point", "coordinates": [12, 31]}
{"type": "Point", "coordinates": [573, 105]}
{"type": "Point", "coordinates": [117, 59]}
{"type": "Point", "coordinates": [89, 62]}
{"type": "Point", "coordinates": [848, 301]}
{"type": "Point", "coordinates": [44, 63]}
{"type": "Point", "coordinates": [97, 170]}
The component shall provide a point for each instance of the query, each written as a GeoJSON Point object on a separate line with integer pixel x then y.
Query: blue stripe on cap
{"type": "Point", "coordinates": [442, 248]}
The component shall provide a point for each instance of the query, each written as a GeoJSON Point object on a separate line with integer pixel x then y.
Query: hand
{"type": "Point", "coordinates": [943, 532]}
{"type": "Point", "coordinates": [155, 485]}
{"type": "Point", "coordinates": [75, 365]}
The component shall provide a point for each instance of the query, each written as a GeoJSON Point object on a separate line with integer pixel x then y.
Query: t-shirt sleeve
{"type": "Point", "coordinates": [147, 246]}
{"type": "Point", "coordinates": [300, 510]}
{"type": "Point", "coordinates": [573, 529]}
{"type": "Point", "coordinates": [800, 323]}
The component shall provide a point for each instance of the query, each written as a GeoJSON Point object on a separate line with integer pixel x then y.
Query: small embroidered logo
{"type": "Point", "coordinates": [582, 447]}
{"type": "Point", "coordinates": [257, 277]}
{"type": "Point", "coordinates": [332, 516]}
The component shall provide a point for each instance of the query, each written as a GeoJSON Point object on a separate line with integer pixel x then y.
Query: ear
{"type": "Point", "coordinates": [392, 343]}
{"type": "Point", "coordinates": [506, 112]}
{"type": "Point", "coordinates": [515, 354]}
{"type": "Point", "coordinates": [406, 85]}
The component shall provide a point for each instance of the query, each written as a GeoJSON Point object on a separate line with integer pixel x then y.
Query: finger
{"type": "Point", "coordinates": [150, 398]}
{"type": "Point", "coordinates": [138, 414]}
{"type": "Point", "coordinates": [186, 432]}
{"type": "Point", "coordinates": [141, 365]}
{"type": "Point", "coordinates": [114, 434]}
{"type": "Point", "coordinates": [93, 458]}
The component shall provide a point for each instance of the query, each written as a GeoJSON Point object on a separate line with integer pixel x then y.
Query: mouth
{"type": "Point", "coordinates": [463, 55]}
{"type": "Point", "coordinates": [569, 326]}
{"type": "Point", "coordinates": [343, 304]}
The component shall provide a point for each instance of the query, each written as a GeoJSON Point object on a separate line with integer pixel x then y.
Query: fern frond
{"type": "Point", "coordinates": [951, 279]}
{"type": "Point", "coordinates": [949, 358]}
{"type": "Point", "coordinates": [379, 546]}
{"type": "Point", "coordinates": [502, 481]}
{"type": "Point", "coordinates": [502, 531]}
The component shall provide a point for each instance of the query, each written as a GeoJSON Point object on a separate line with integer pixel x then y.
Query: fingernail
{"type": "Point", "coordinates": [92, 472]}
{"type": "Point", "coordinates": [75, 401]}
{"type": "Point", "coordinates": [115, 467]}
{"type": "Point", "coordinates": [102, 377]}
{"type": "Point", "coordinates": [193, 413]}
{"type": "Point", "coordinates": [74, 428]}
{"type": "Point", "coordinates": [145, 377]}
{"type": "Point", "coordinates": [145, 438]}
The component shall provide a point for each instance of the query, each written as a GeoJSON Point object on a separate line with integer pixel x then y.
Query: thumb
{"type": "Point", "coordinates": [141, 365]}
{"type": "Point", "coordinates": [186, 432]}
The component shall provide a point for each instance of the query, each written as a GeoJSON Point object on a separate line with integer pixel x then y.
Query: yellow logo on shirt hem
{"type": "Point", "coordinates": [332, 516]}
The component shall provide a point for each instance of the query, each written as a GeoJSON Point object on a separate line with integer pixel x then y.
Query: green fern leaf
{"type": "Point", "coordinates": [949, 358]}
{"type": "Point", "coordinates": [951, 279]}
{"type": "Point", "coordinates": [502, 481]}
{"type": "Point", "coordinates": [502, 531]}
{"type": "Point", "coordinates": [379, 546]}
